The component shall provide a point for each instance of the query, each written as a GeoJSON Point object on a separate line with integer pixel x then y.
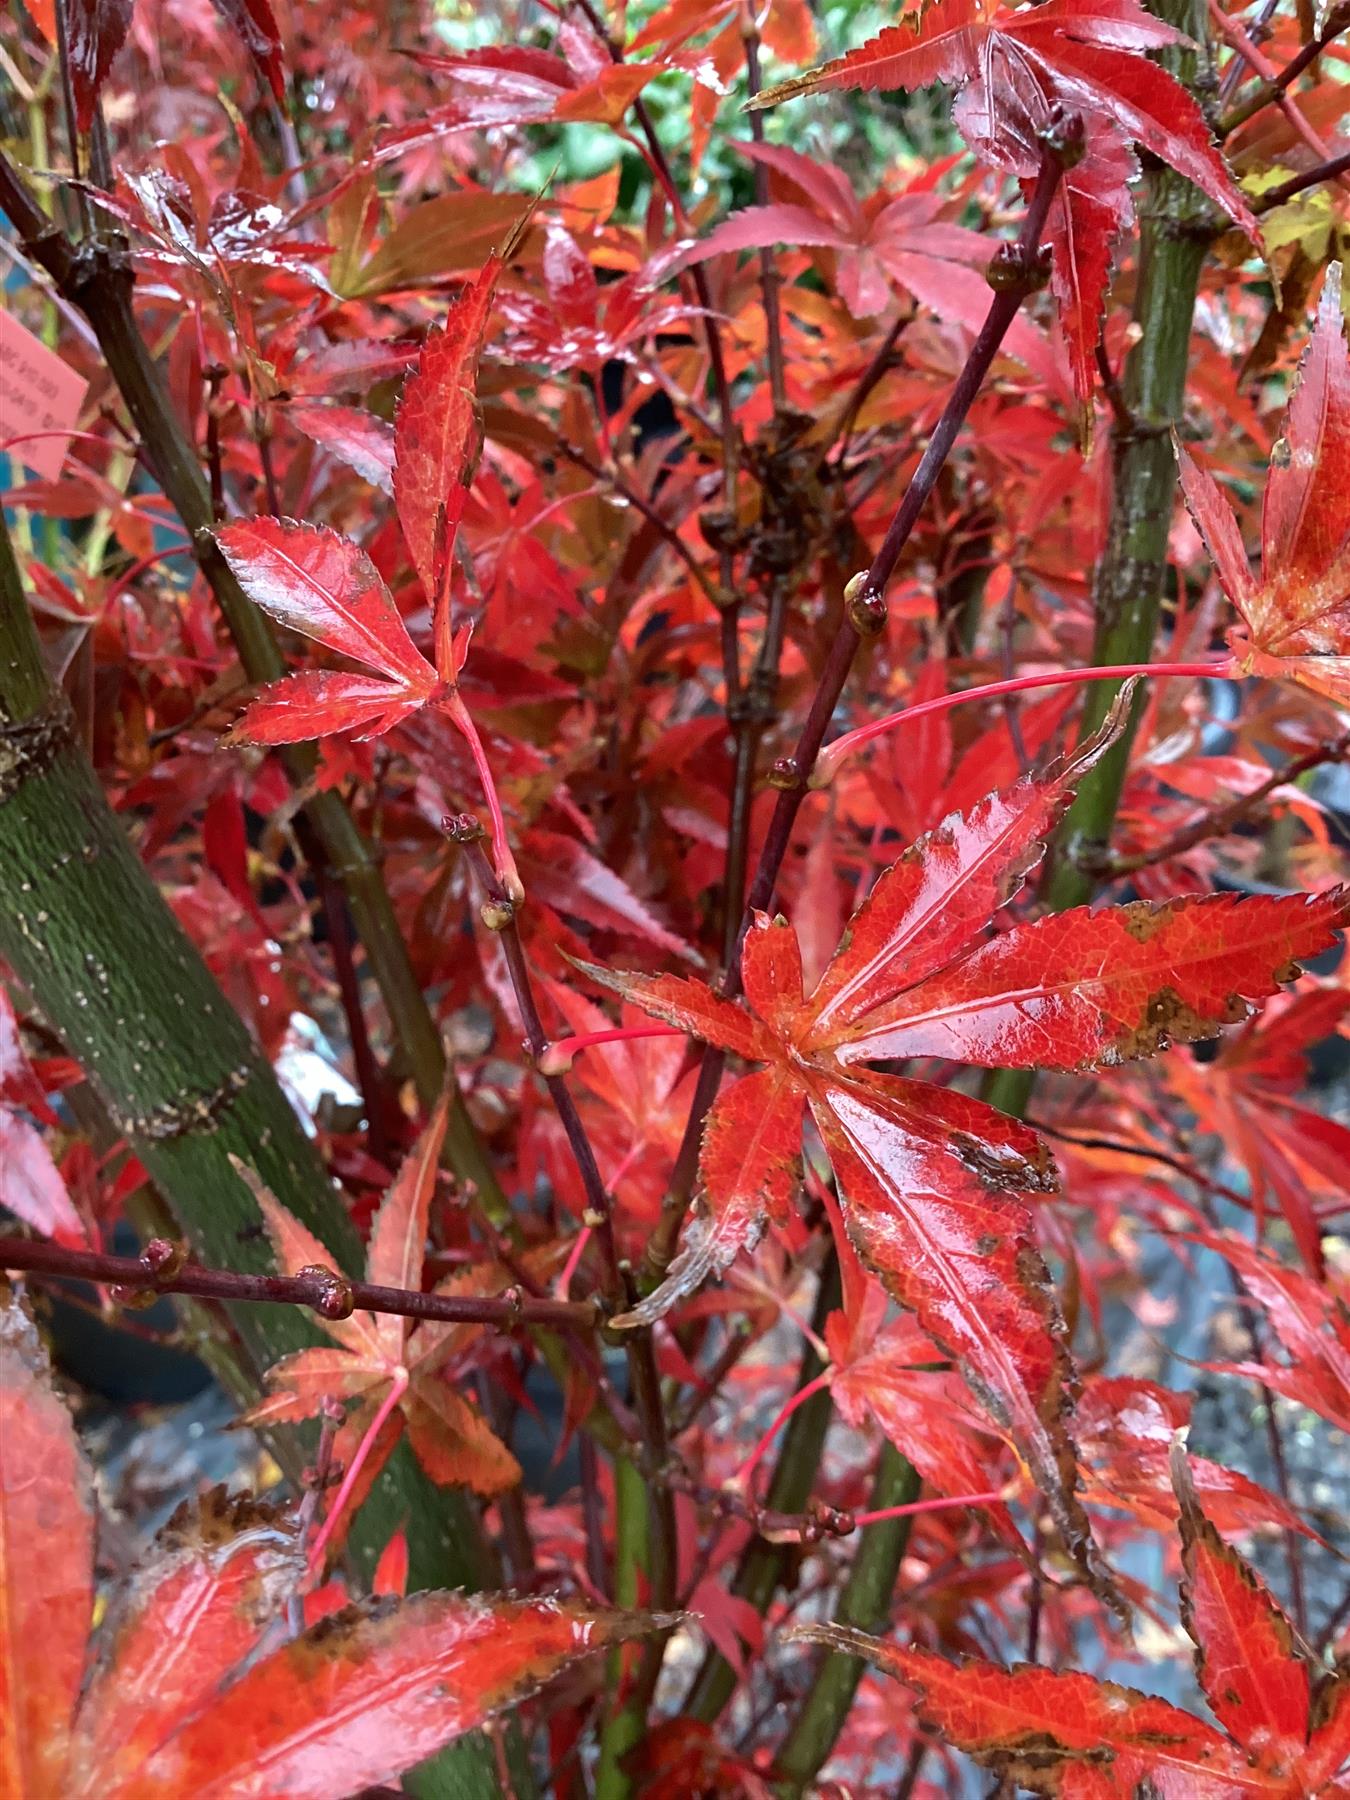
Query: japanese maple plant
{"type": "Point", "coordinates": [743, 614]}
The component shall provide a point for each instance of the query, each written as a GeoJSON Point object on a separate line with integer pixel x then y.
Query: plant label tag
{"type": "Point", "coordinates": [38, 393]}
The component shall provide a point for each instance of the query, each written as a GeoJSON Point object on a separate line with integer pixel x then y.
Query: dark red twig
{"type": "Point", "coordinates": [1226, 818]}
{"type": "Point", "coordinates": [1337, 21]}
{"type": "Point", "coordinates": [162, 1269]}
{"type": "Point", "coordinates": [1329, 170]}
{"type": "Point", "coordinates": [1016, 271]}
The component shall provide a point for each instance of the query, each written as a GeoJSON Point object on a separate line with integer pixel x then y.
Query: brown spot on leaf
{"type": "Point", "coordinates": [1169, 1020]}
{"type": "Point", "coordinates": [1143, 919]}
{"type": "Point", "coordinates": [1006, 1171]}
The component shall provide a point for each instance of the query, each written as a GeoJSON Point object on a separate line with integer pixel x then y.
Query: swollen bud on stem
{"type": "Point", "coordinates": [866, 609]}
{"type": "Point", "coordinates": [1012, 270]}
{"type": "Point", "coordinates": [332, 1297]}
{"type": "Point", "coordinates": [1064, 136]}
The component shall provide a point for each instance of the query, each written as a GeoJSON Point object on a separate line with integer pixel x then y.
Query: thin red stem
{"type": "Point", "coordinates": [925, 1506]}
{"type": "Point", "coordinates": [504, 863]}
{"type": "Point", "coordinates": [802, 1395]}
{"type": "Point", "coordinates": [557, 1059]}
{"type": "Point", "coordinates": [397, 1388]}
{"type": "Point", "coordinates": [831, 759]}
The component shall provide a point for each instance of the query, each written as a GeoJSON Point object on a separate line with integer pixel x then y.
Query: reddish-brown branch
{"type": "Point", "coordinates": [1271, 89]}
{"type": "Point", "coordinates": [1231, 30]}
{"type": "Point", "coordinates": [818, 1521]}
{"type": "Point", "coordinates": [499, 914]}
{"type": "Point", "coordinates": [1226, 818]}
{"type": "Point", "coordinates": [1330, 170]}
{"type": "Point", "coordinates": [329, 1294]}
{"type": "Point", "coordinates": [1020, 271]}
{"type": "Point", "coordinates": [769, 278]}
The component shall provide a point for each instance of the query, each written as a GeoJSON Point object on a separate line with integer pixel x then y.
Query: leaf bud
{"type": "Point", "coordinates": [865, 607]}
{"type": "Point", "coordinates": [332, 1296]}
{"type": "Point", "coordinates": [461, 828]}
{"type": "Point", "coordinates": [163, 1258]}
{"type": "Point", "coordinates": [1065, 136]}
{"type": "Point", "coordinates": [497, 915]}
{"type": "Point", "coordinates": [1011, 270]}
{"type": "Point", "coordinates": [133, 1299]}
{"type": "Point", "coordinates": [785, 774]}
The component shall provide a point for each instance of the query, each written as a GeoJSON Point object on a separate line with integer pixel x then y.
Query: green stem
{"type": "Point", "coordinates": [764, 1565]}
{"type": "Point", "coordinates": [626, 1722]}
{"type": "Point", "coordinates": [864, 1603]}
{"type": "Point", "coordinates": [1174, 235]}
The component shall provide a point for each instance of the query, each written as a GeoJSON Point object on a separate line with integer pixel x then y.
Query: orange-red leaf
{"type": "Point", "coordinates": [436, 433]}
{"type": "Point", "coordinates": [219, 1573]}
{"type": "Point", "coordinates": [749, 1170]}
{"type": "Point", "coordinates": [1013, 64]}
{"type": "Point", "coordinates": [46, 1565]}
{"type": "Point", "coordinates": [454, 1442]}
{"type": "Point", "coordinates": [95, 32]}
{"type": "Point", "coordinates": [939, 896]}
{"type": "Point", "coordinates": [302, 1381]}
{"type": "Point", "coordinates": [1296, 620]}
{"type": "Point", "coordinates": [964, 1260]}
{"type": "Point", "coordinates": [321, 584]}
{"type": "Point", "coordinates": [297, 1248]}
{"type": "Point", "coordinates": [1084, 988]}
{"type": "Point", "coordinates": [320, 703]}
{"type": "Point", "coordinates": [691, 1006]}
{"type": "Point", "coordinates": [1061, 1734]}
{"type": "Point", "coordinates": [398, 1238]}
{"type": "Point", "coordinates": [367, 1693]}
{"type": "Point", "coordinates": [1249, 1666]}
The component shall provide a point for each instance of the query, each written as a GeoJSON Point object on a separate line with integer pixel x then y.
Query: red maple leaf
{"type": "Point", "coordinates": [1296, 619]}
{"type": "Point", "coordinates": [178, 1699]}
{"type": "Point", "coordinates": [1014, 65]}
{"type": "Point", "coordinates": [31, 1185]}
{"type": "Point", "coordinates": [389, 1365]}
{"type": "Point", "coordinates": [520, 85]}
{"type": "Point", "coordinates": [1311, 1320]}
{"type": "Point", "coordinates": [1286, 1721]}
{"type": "Point", "coordinates": [322, 584]}
{"type": "Point", "coordinates": [896, 237]}
{"type": "Point", "coordinates": [927, 1175]}
{"type": "Point", "coordinates": [1247, 1097]}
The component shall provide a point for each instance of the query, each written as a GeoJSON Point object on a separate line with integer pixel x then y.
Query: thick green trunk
{"type": "Point", "coordinates": [1175, 232]}
{"type": "Point", "coordinates": [95, 944]}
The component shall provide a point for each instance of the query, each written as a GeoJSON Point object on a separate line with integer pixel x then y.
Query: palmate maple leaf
{"type": "Point", "coordinates": [321, 584]}
{"type": "Point", "coordinates": [1296, 618]}
{"type": "Point", "coordinates": [1285, 1719]}
{"type": "Point", "coordinates": [1013, 65]}
{"type": "Point", "coordinates": [391, 1367]}
{"type": "Point", "coordinates": [895, 238]}
{"type": "Point", "coordinates": [1248, 1098]}
{"type": "Point", "coordinates": [929, 1177]}
{"type": "Point", "coordinates": [516, 84]}
{"type": "Point", "coordinates": [1310, 1319]}
{"type": "Point", "coordinates": [178, 1700]}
